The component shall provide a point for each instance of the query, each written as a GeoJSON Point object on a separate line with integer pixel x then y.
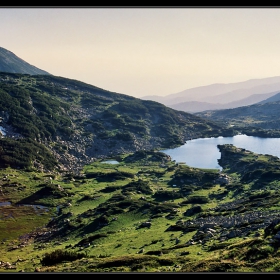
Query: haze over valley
{"type": "Point", "coordinates": [221, 96]}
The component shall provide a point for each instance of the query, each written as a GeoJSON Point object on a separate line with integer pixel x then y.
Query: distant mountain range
{"type": "Point", "coordinates": [11, 63]}
{"type": "Point", "coordinates": [220, 96]}
{"type": "Point", "coordinates": [199, 99]}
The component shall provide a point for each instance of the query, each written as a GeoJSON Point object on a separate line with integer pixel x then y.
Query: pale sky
{"type": "Point", "coordinates": [146, 51]}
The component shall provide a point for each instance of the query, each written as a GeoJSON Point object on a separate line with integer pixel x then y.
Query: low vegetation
{"type": "Point", "coordinates": [145, 213]}
{"type": "Point", "coordinates": [64, 208]}
{"type": "Point", "coordinates": [54, 123]}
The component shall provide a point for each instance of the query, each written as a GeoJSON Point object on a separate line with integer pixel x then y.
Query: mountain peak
{"type": "Point", "coordinates": [11, 63]}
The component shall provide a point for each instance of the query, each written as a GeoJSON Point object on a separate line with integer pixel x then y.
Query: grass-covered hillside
{"type": "Point", "coordinates": [261, 119]}
{"type": "Point", "coordinates": [55, 123]}
{"type": "Point", "coordinates": [143, 214]}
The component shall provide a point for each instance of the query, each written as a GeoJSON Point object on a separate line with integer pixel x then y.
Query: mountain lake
{"type": "Point", "coordinates": [204, 153]}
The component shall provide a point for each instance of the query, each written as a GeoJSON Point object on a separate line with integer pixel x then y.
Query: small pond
{"type": "Point", "coordinates": [110, 161]}
{"type": "Point", "coordinates": [5, 203]}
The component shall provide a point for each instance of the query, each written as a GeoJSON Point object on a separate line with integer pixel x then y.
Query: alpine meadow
{"type": "Point", "coordinates": [85, 188]}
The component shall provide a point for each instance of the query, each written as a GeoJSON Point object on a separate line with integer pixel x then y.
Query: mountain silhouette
{"type": "Point", "coordinates": [11, 63]}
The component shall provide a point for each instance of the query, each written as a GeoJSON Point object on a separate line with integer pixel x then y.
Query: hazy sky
{"type": "Point", "coordinates": [146, 51]}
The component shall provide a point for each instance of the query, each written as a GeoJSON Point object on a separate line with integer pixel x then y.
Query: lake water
{"type": "Point", "coordinates": [2, 131]}
{"type": "Point", "coordinates": [110, 161]}
{"type": "Point", "coordinates": [204, 153]}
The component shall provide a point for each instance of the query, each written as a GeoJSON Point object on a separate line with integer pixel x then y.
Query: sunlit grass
{"type": "Point", "coordinates": [125, 237]}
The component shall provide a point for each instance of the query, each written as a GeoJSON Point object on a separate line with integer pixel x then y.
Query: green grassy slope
{"type": "Point", "coordinates": [144, 214]}
{"type": "Point", "coordinates": [63, 124]}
